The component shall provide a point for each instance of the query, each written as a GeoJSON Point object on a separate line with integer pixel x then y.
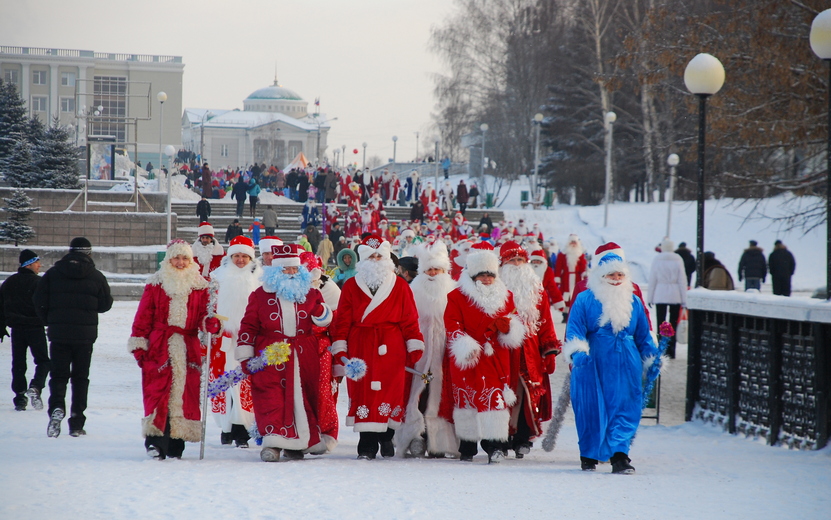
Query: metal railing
{"type": "Point", "coordinates": [74, 53]}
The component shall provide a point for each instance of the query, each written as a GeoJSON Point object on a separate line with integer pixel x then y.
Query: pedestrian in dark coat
{"type": "Point", "coordinates": [782, 266]}
{"type": "Point", "coordinates": [753, 267]}
{"type": "Point", "coordinates": [203, 210]}
{"type": "Point", "coordinates": [68, 299]}
{"type": "Point", "coordinates": [473, 193]}
{"type": "Point", "coordinates": [417, 212]}
{"type": "Point", "coordinates": [689, 260]}
{"type": "Point", "coordinates": [462, 196]}
{"type": "Point", "coordinates": [234, 230]}
{"type": "Point", "coordinates": [332, 183]}
{"type": "Point", "coordinates": [206, 181]}
{"type": "Point", "coordinates": [18, 312]}
{"type": "Point", "coordinates": [240, 192]}
{"type": "Point", "coordinates": [303, 188]}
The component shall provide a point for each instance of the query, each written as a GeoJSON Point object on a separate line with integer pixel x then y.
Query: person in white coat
{"type": "Point", "coordinates": [667, 287]}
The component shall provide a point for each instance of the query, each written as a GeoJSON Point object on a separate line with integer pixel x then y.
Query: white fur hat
{"type": "Point", "coordinates": [481, 259]}
{"type": "Point", "coordinates": [205, 228]}
{"type": "Point", "coordinates": [374, 244]}
{"type": "Point", "coordinates": [267, 242]}
{"type": "Point", "coordinates": [177, 247]}
{"type": "Point", "coordinates": [242, 244]}
{"type": "Point", "coordinates": [667, 246]}
{"type": "Point", "coordinates": [433, 255]}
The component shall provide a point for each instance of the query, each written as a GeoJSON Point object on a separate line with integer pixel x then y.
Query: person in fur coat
{"type": "Point", "coordinates": [667, 287]}
{"type": "Point", "coordinates": [237, 277]}
{"type": "Point", "coordinates": [287, 395]}
{"type": "Point", "coordinates": [377, 323]}
{"type": "Point", "coordinates": [536, 360]}
{"type": "Point", "coordinates": [422, 422]}
{"type": "Point", "coordinates": [164, 342]}
{"type": "Point", "coordinates": [571, 267]}
{"type": "Point", "coordinates": [482, 328]}
{"type": "Point", "coordinates": [207, 252]}
{"type": "Point", "coordinates": [610, 347]}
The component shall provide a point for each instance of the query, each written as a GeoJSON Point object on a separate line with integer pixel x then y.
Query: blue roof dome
{"type": "Point", "coordinates": [275, 92]}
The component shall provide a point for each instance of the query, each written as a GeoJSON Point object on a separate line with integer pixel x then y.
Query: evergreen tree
{"type": "Point", "coordinates": [18, 169]}
{"type": "Point", "coordinates": [18, 208]}
{"type": "Point", "coordinates": [56, 159]}
{"type": "Point", "coordinates": [12, 118]}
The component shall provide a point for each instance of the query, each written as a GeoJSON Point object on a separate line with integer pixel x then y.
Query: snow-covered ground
{"type": "Point", "coordinates": [684, 470]}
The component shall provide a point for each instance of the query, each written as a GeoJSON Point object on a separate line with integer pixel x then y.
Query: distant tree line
{"type": "Point", "coordinates": [575, 60]}
{"type": "Point", "coordinates": [31, 154]}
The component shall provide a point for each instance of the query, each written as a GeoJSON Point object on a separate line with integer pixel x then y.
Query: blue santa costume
{"type": "Point", "coordinates": [610, 347]}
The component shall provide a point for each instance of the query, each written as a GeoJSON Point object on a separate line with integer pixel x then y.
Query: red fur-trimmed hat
{"type": "Point", "coordinates": [205, 228]}
{"type": "Point", "coordinates": [286, 255]}
{"type": "Point", "coordinates": [266, 243]}
{"type": "Point", "coordinates": [511, 249]}
{"type": "Point", "coordinates": [481, 259]}
{"type": "Point", "coordinates": [242, 244]}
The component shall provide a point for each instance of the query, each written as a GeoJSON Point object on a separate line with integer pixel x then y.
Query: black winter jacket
{"type": "Point", "coordinates": [781, 262]}
{"type": "Point", "coordinates": [753, 264]}
{"type": "Point", "coordinates": [69, 298]}
{"type": "Point", "coordinates": [16, 306]}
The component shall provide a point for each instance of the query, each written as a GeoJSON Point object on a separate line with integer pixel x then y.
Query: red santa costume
{"type": "Point", "coordinates": [570, 268]}
{"type": "Point", "coordinates": [327, 412]}
{"type": "Point", "coordinates": [522, 228]}
{"type": "Point", "coordinates": [366, 181]}
{"type": "Point", "coordinates": [378, 323]}
{"type": "Point", "coordinates": [354, 196]}
{"type": "Point", "coordinates": [164, 340]}
{"type": "Point", "coordinates": [428, 195]}
{"type": "Point", "coordinates": [540, 266]}
{"type": "Point", "coordinates": [332, 215]}
{"type": "Point", "coordinates": [447, 194]}
{"type": "Point", "coordinates": [458, 257]}
{"type": "Point", "coordinates": [233, 409]}
{"type": "Point", "coordinates": [535, 361]}
{"type": "Point", "coordinates": [395, 190]}
{"type": "Point", "coordinates": [422, 413]}
{"type": "Point", "coordinates": [482, 329]}
{"type": "Point", "coordinates": [208, 256]}
{"type": "Point", "coordinates": [432, 210]}
{"type": "Point", "coordinates": [385, 180]}
{"type": "Point", "coordinates": [344, 180]}
{"type": "Point", "coordinates": [384, 230]}
{"type": "Point", "coordinates": [353, 223]}
{"type": "Point", "coordinates": [286, 396]}
{"type": "Point", "coordinates": [368, 221]}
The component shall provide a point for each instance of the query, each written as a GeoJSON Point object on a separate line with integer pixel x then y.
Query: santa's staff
{"type": "Point", "coordinates": [213, 288]}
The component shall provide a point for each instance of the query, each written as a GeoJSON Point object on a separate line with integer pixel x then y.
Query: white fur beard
{"type": "Point", "coordinates": [572, 255]}
{"type": "Point", "coordinates": [616, 301]}
{"type": "Point", "coordinates": [490, 298]}
{"type": "Point", "coordinates": [374, 272]}
{"type": "Point", "coordinates": [203, 253]}
{"type": "Point", "coordinates": [539, 270]}
{"type": "Point", "coordinates": [235, 286]}
{"type": "Point", "coordinates": [179, 282]}
{"type": "Point", "coordinates": [527, 290]}
{"type": "Point", "coordinates": [430, 293]}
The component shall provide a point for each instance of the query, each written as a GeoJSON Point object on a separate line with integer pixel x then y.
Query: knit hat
{"type": "Point", "coordinates": [286, 255]}
{"type": "Point", "coordinates": [27, 257]}
{"type": "Point", "coordinates": [266, 243]}
{"type": "Point", "coordinates": [667, 246]}
{"type": "Point", "coordinates": [80, 245]}
{"type": "Point", "coordinates": [177, 247]}
{"type": "Point", "coordinates": [609, 258]}
{"type": "Point", "coordinates": [205, 228]}
{"type": "Point", "coordinates": [509, 250]}
{"type": "Point", "coordinates": [481, 259]}
{"type": "Point", "coordinates": [242, 244]}
{"type": "Point", "coordinates": [433, 256]}
{"type": "Point", "coordinates": [374, 244]}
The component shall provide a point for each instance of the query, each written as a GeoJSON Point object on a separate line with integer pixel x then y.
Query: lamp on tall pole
{"type": "Point", "coordinates": [704, 76]}
{"type": "Point", "coordinates": [437, 162]}
{"type": "Point", "coordinates": [416, 156]}
{"type": "Point", "coordinates": [394, 147]}
{"type": "Point", "coordinates": [162, 97]}
{"type": "Point", "coordinates": [170, 151]}
{"type": "Point", "coordinates": [821, 44]}
{"type": "Point", "coordinates": [319, 124]}
{"type": "Point", "coordinates": [364, 145]}
{"type": "Point", "coordinates": [207, 114]}
{"type": "Point", "coordinates": [537, 124]}
{"type": "Point", "coordinates": [610, 119]}
{"type": "Point", "coordinates": [484, 128]}
{"type": "Point", "coordinates": [343, 154]}
{"type": "Point", "coordinates": [672, 161]}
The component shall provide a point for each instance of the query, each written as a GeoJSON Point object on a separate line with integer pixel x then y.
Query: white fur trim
{"type": "Point", "coordinates": [515, 335]}
{"type": "Point", "coordinates": [475, 426]}
{"type": "Point", "coordinates": [375, 385]}
{"type": "Point", "coordinates": [266, 244]}
{"type": "Point", "coordinates": [243, 352]}
{"type": "Point", "coordinates": [382, 350]}
{"type": "Point", "coordinates": [488, 348]}
{"type": "Point", "coordinates": [575, 345]}
{"type": "Point", "coordinates": [481, 261]}
{"type": "Point", "coordinates": [465, 350]}
{"type": "Point", "coordinates": [441, 436]}
{"type": "Point", "coordinates": [338, 370]}
{"type": "Point", "coordinates": [509, 395]}
{"type": "Point", "coordinates": [242, 248]}
{"type": "Point", "coordinates": [338, 347]}
{"type": "Point", "coordinates": [325, 319]}
{"type": "Point", "coordinates": [384, 250]}
{"type": "Point", "coordinates": [135, 343]}
{"type": "Point", "coordinates": [415, 344]}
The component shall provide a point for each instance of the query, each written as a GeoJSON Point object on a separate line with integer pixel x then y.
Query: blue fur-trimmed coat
{"type": "Point", "coordinates": [607, 384]}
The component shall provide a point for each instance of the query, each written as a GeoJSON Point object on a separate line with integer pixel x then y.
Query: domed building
{"type": "Point", "coordinates": [273, 127]}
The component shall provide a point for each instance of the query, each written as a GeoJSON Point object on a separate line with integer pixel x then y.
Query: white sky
{"type": "Point", "coordinates": [367, 60]}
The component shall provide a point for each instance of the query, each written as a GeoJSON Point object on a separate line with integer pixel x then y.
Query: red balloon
{"type": "Point", "coordinates": [355, 150]}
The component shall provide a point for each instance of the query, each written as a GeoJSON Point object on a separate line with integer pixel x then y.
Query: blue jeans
{"type": "Point", "coordinates": [753, 283]}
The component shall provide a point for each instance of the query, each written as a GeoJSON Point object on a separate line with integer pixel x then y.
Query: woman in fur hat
{"type": "Point", "coordinates": [166, 345]}
{"type": "Point", "coordinates": [610, 347]}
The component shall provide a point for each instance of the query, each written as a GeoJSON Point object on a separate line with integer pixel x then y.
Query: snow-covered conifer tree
{"type": "Point", "coordinates": [17, 210]}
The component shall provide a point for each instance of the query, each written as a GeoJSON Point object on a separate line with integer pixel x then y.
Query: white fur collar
{"type": "Point", "coordinates": [491, 304]}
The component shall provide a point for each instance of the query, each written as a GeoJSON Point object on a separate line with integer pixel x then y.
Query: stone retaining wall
{"type": "Point", "coordinates": [108, 261]}
{"type": "Point", "coordinates": [101, 228]}
{"type": "Point", "coordinates": [59, 200]}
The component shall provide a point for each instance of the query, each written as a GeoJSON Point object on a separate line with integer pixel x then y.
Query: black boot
{"type": "Point", "coordinates": [620, 464]}
{"type": "Point", "coordinates": [587, 464]}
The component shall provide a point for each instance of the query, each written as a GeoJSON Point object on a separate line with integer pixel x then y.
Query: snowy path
{"type": "Point", "coordinates": [684, 471]}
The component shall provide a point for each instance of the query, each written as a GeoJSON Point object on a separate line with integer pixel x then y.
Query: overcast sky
{"type": "Point", "coordinates": [367, 60]}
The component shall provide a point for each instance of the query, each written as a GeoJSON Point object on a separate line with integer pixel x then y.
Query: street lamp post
{"type": "Point", "coordinates": [207, 114]}
{"type": "Point", "coordinates": [537, 124]}
{"type": "Point", "coordinates": [437, 162]}
{"type": "Point", "coordinates": [319, 124]}
{"type": "Point", "coordinates": [821, 45]}
{"type": "Point", "coordinates": [394, 148]}
{"type": "Point", "coordinates": [364, 145]}
{"type": "Point", "coordinates": [484, 128]}
{"type": "Point", "coordinates": [704, 76]}
{"type": "Point", "coordinates": [162, 97]}
{"type": "Point", "coordinates": [610, 119]}
{"type": "Point", "coordinates": [170, 151]}
{"type": "Point", "coordinates": [672, 161]}
{"type": "Point", "coordinates": [416, 156]}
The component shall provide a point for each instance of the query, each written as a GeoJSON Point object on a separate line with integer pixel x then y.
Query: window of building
{"type": "Point", "coordinates": [223, 150]}
{"type": "Point", "coordinates": [68, 104]}
{"type": "Point", "coordinates": [110, 92]}
{"type": "Point", "coordinates": [39, 103]}
{"type": "Point", "coordinates": [38, 77]}
{"type": "Point", "coordinates": [67, 79]}
{"type": "Point", "coordinates": [11, 76]}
